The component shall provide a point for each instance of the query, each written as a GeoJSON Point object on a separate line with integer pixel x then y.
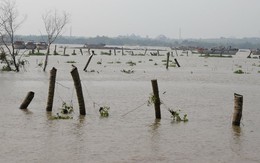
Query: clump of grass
{"type": "Point", "coordinates": [118, 62]}
{"type": "Point", "coordinates": [150, 59]}
{"type": "Point", "coordinates": [176, 116]}
{"type": "Point", "coordinates": [65, 113]}
{"type": "Point", "coordinates": [239, 66]}
{"type": "Point", "coordinates": [139, 61]}
{"type": "Point", "coordinates": [258, 71]}
{"type": "Point", "coordinates": [151, 100]}
{"type": "Point", "coordinates": [239, 71]}
{"type": "Point", "coordinates": [131, 63]}
{"type": "Point", "coordinates": [127, 71]}
{"type": "Point", "coordinates": [110, 62]}
{"type": "Point", "coordinates": [104, 111]}
{"type": "Point", "coordinates": [36, 53]}
{"type": "Point", "coordinates": [155, 64]}
{"type": "Point", "coordinates": [6, 68]}
{"type": "Point", "coordinates": [71, 62]}
{"type": "Point", "coordinates": [99, 62]}
{"type": "Point", "coordinates": [172, 65]}
{"type": "Point", "coordinates": [164, 60]}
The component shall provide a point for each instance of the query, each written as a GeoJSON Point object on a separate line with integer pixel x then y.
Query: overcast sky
{"type": "Point", "coordinates": [172, 18]}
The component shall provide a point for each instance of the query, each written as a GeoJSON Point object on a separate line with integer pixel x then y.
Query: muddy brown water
{"type": "Point", "coordinates": [202, 87]}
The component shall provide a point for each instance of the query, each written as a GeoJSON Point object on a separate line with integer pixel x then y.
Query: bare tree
{"type": "Point", "coordinates": [54, 24]}
{"type": "Point", "coordinates": [9, 23]}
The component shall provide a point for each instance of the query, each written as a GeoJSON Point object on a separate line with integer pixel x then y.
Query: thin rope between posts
{"type": "Point", "coordinates": [90, 97]}
{"type": "Point", "coordinates": [134, 109]}
{"type": "Point", "coordinates": [71, 101]}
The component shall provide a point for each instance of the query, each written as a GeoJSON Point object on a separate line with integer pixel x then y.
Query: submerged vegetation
{"type": "Point", "coordinates": [239, 71]}
{"type": "Point", "coordinates": [65, 112]}
{"type": "Point", "coordinates": [131, 63]}
{"type": "Point", "coordinates": [127, 71]}
{"type": "Point", "coordinates": [104, 111]}
{"type": "Point", "coordinates": [71, 62]}
{"type": "Point", "coordinates": [176, 116]}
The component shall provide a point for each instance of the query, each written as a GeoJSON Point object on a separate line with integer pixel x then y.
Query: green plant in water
{"type": "Point", "coordinates": [65, 113]}
{"type": "Point", "coordinates": [6, 68]}
{"type": "Point", "coordinates": [71, 62]}
{"type": "Point", "coordinates": [37, 53]}
{"type": "Point", "coordinates": [99, 62]}
{"type": "Point", "coordinates": [176, 115]}
{"type": "Point", "coordinates": [239, 71]}
{"type": "Point", "coordinates": [172, 65]}
{"type": "Point", "coordinates": [104, 111]}
{"type": "Point", "coordinates": [127, 71]}
{"type": "Point", "coordinates": [131, 63]}
{"type": "Point", "coordinates": [151, 100]}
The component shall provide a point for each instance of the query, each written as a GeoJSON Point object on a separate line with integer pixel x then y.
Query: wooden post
{"type": "Point", "coordinates": [176, 52]}
{"type": "Point", "coordinates": [167, 63]}
{"type": "Point", "coordinates": [123, 51]}
{"type": "Point", "coordinates": [81, 51]}
{"type": "Point", "coordinates": [32, 51]}
{"type": "Point", "coordinates": [114, 51]}
{"type": "Point", "coordinates": [27, 100]}
{"type": "Point", "coordinates": [77, 83]}
{"type": "Point", "coordinates": [64, 50]}
{"type": "Point", "coordinates": [74, 53]}
{"type": "Point", "coordinates": [238, 106]}
{"type": "Point", "coordinates": [157, 102]}
{"type": "Point", "coordinates": [52, 82]}
{"type": "Point", "coordinates": [177, 62]}
{"type": "Point", "coordinates": [89, 59]}
{"type": "Point", "coordinates": [145, 51]}
{"type": "Point", "coordinates": [158, 52]}
{"type": "Point", "coordinates": [55, 52]}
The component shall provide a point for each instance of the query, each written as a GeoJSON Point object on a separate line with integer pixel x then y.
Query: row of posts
{"type": "Point", "coordinates": [77, 84]}
{"type": "Point", "coordinates": [238, 99]}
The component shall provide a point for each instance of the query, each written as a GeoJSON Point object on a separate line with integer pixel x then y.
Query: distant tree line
{"type": "Point", "coordinates": [133, 40]}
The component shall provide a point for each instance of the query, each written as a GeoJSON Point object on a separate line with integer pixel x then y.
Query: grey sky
{"type": "Point", "coordinates": [195, 18]}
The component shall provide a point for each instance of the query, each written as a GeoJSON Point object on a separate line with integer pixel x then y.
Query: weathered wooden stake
{"type": "Point", "coordinates": [64, 50]}
{"type": "Point", "coordinates": [89, 59]}
{"type": "Point", "coordinates": [114, 51]}
{"type": "Point", "coordinates": [74, 53]}
{"type": "Point", "coordinates": [77, 83]}
{"type": "Point", "coordinates": [167, 63]}
{"type": "Point", "coordinates": [157, 102]}
{"type": "Point", "coordinates": [158, 52]}
{"type": "Point", "coordinates": [27, 100]}
{"type": "Point", "coordinates": [123, 51]}
{"type": "Point", "coordinates": [145, 51]}
{"type": "Point", "coordinates": [81, 51]}
{"type": "Point", "coordinates": [52, 82]}
{"type": "Point", "coordinates": [238, 106]}
{"type": "Point", "coordinates": [176, 52]}
{"type": "Point", "coordinates": [177, 62]}
{"type": "Point", "coordinates": [55, 52]}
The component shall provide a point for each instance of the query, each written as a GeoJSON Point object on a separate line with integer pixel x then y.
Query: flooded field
{"type": "Point", "coordinates": [203, 88]}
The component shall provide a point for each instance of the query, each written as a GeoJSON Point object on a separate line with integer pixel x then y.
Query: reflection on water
{"type": "Point", "coordinates": [206, 95]}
